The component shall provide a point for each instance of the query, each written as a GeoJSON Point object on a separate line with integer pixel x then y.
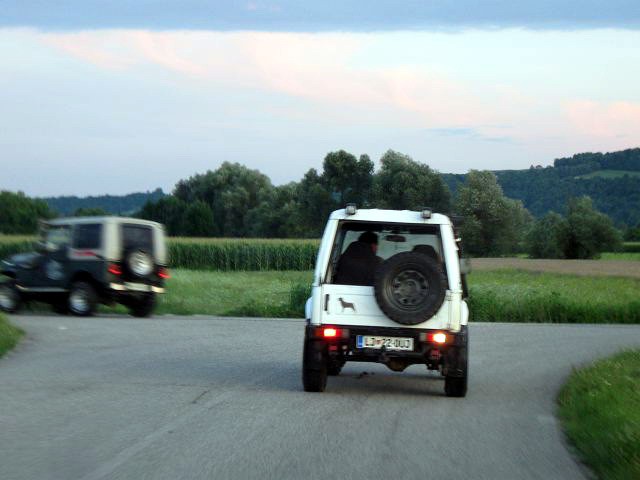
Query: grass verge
{"type": "Point", "coordinates": [496, 296]}
{"type": "Point", "coordinates": [250, 294]}
{"type": "Point", "coordinates": [518, 296]}
{"type": "Point", "coordinates": [9, 335]}
{"type": "Point", "coordinates": [600, 411]}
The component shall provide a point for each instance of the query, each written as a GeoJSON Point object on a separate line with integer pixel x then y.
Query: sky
{"type": "Point", "coordinates": [113, 97]}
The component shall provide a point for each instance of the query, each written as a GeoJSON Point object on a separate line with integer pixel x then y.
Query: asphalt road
{"type": "Point", "coordinates": [210, 398]}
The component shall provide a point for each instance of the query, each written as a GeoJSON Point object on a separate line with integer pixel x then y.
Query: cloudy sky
{"type": "Point", "coordinates": [119, 96]}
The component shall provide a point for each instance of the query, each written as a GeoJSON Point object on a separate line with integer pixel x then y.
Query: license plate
{"type": "Point", "coordinates": [389, 343]}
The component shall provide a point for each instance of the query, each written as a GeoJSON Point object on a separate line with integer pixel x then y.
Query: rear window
{"type": "Point", "coordinates": [87, 236]}
{"type": "Point", "coordinates": [391, 239]}
{"type": "Point", "coordinates": [137, 237]}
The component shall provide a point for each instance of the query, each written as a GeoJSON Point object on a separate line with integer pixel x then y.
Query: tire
{"type": "Point", "coordinates": [10, 299]}
{"type": "Point", "coordinates": [410, 287]}
{"type": "Point", "coordinates": [82, 299]}
{"type": "Point", "coordinates": [314, 366]}
{"type": "Point", "coordinates": [139, 263]}
{"type": "Point", "coordinates": [456, 386]}
{"type": "Point", "coordinates": [143, 307]}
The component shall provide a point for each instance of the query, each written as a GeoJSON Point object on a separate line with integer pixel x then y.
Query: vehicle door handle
{"type": "Point", "coordinates": [326, 303]}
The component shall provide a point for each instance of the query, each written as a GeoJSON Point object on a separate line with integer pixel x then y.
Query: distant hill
{"type": "Point", "coordinates": [612, 180]}
{"type": "Point", "coordinates": [116, 204]}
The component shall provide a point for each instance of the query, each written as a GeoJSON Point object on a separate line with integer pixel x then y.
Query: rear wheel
{"type": "Point", "coordinates": [10, 300]}
{"type": "Point", "coordinates": [314, 366]}
{"type": "Point", "coordinates": [455, 383]}
{"type": "Point", "coordinates": [82, 299]}
{"type": "Point", "coordinates": [143, 307]}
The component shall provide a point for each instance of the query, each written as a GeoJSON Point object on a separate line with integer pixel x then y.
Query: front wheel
{"type": "Point", "coordinates": [314, 366]}
{"type": "Point", "coordinates": [143, 307]}
{"type": "Point", "coordinates": [82, 299]}
{"type": "Point", "coordinates": [10, 300]}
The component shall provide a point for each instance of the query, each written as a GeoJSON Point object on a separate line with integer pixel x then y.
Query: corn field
{"type": "Point", "coordinates": [242, 254]}
{"type": "Point", "coordinates": [222, 254]}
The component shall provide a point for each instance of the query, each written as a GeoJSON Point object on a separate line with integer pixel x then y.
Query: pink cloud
{"type": "Point", "coordinates": [605, 119]}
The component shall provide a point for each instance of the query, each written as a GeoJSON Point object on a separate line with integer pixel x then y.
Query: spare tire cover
{"type": "Point", "coordinates": [410, 287]}
{"type": "Point", "coordinates": [140, 263]}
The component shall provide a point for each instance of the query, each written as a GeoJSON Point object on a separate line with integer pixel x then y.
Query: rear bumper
{"type": "Point", "coordinates": [133, 287]}
{"type": "Point", "coordinates": [425, 349]}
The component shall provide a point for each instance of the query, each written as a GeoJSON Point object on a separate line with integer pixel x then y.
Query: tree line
{"type": "Point", "coordinates": [235, 201]}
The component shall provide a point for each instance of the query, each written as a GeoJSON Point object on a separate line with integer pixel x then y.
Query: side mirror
{"type": "Point", "coordinates": [465, 266]}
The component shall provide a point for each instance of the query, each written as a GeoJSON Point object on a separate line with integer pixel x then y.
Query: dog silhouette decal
{"type": "Point", "coordinates": [346, 305]}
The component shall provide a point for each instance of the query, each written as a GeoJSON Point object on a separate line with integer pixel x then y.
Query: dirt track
{"type": "Point", "coordinates": [608, 268]}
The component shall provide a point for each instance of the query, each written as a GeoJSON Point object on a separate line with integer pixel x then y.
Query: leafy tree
{"type": "Point", "coordinates": [589, 231]}
{"type": "Point", "coordinates": [494, 224]}
{"type": "Point", "coordinates": [90, 212]}
{"type": "Point", "coordinates": [403, 183]}
{"type": "Point", "coordinates": [548, 236]}
{"type": "Point", "coordinates": [348, 180]}
{"type": "Point", "coordinates": [632, 234]}
{"type": "Point", "coordinates": [19, 214]}
{"type": "Point", "coordinates": [315, 203]}
{"type": "Point", "coordinates": [169, 211]}
{"type": "Point", "coordinates": [198, 220]}
{"type": "Point", "coordinates": [231, 192]}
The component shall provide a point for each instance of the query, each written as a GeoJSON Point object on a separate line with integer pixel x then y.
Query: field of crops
{"type": "Point", "coordinates": [242, 254]}
{"type": "Point", "coordinates": [230, 254]}
{"type": "Point", "coordinates": [223, 254]}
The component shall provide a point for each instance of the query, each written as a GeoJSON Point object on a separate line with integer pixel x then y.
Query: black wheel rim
{"type": "Point", "coordinates": [409, 289]}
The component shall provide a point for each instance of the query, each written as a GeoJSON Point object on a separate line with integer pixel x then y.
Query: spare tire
{"type": "Point", "coordinates": [139, 263]}
{"type": "Point", "coordinates": [410, 287]}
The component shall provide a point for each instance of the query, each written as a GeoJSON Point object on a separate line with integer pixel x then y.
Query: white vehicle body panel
{"type": "Point", "coordinates": [356, 305]}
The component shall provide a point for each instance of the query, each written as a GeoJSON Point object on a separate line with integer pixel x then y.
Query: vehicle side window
{"type": "Point", "coordinates": [87, 236]}
{"type": "Point", "coordinates": [58, 236]}
{"type": "Point", "coordinates": [137, 237]}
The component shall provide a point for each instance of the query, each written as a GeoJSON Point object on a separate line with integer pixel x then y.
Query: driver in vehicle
{"type": "Point", "coordinates": [358, 263]}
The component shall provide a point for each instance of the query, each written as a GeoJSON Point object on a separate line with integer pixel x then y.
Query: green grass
{"type": "Point", "coordinates": [498, 296]}
{"type": "Point", "coordinates": [254, 294]}
{"type": "Point", "coordinates": [626, 256]}
{"type": "Point", "coordinates": [600, 411]}
{"type": "Point", "coordinates": [608, 174]}
{"type": "Point", "coordinates": [518, 296]}
{"type": "Point", "coordinates": [9, 335]}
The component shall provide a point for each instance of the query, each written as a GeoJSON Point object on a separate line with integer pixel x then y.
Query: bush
{"type": "Point", "coordinates": [584, 233]}
{"type": "Point", "coordinates": [548, 237]}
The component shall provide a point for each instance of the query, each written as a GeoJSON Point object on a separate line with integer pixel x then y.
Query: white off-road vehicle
{"type": "Point", "coordinates": [388, 287]}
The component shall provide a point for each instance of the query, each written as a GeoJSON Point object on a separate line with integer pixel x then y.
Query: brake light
{"type": "Point", "coordinates": [114, 269]}
{"type": "Point", "coordinates": [330, 332]}
{"type": "Point", "coordinates": [439, 338]}
{"type": "Point", "coordinates": [164, 273]}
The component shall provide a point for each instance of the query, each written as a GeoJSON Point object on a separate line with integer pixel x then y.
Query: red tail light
{"type": "Point", "coordinates": [114, 269]}
{"type": "Point", "coordinates": [330, 332]}
{"type": "Point", "coordinates": [164, 273]}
